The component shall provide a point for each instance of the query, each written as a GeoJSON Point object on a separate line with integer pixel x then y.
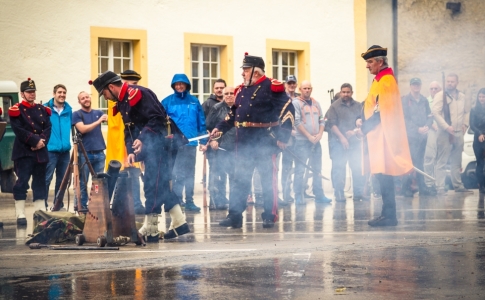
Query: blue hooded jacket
{"type": "Point", "coordinates": [186, 111]}
{"type": "Point", "coordinates": [60, 140]}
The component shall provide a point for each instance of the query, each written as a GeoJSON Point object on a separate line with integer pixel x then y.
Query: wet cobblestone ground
{"type": "Point", "coordinates": [315, 251]}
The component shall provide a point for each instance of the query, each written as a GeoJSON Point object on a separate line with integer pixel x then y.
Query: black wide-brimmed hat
{"type": "Point", "coordinates": [103, 80]}
{"type": "Point", "coordinates": [250, 61]}
{"type": "Point", "coordinates": [130, 75]}
{"type": "Point", "coordinates": [373, 51]}
{"type": "Point", "coordinates": [28, 85]}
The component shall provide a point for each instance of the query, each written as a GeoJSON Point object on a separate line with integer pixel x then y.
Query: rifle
{"type": "Point", "coordinates": [446, 108]}
{"type": "Point", "coordinates": [72, 168]}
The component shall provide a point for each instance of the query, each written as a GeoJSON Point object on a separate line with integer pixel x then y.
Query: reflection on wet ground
{"type": "Point", "coordinates": [314, 251]}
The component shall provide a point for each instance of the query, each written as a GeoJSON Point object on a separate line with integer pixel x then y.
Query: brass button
{"type": "Point", "coordinates": [248, 115]}
{"type": "Point", "coordinates": [28, 116]}
{"type": "Point", "coordinates": [32, 123]}
{"type": "Point", "coordinates": [35, 130]}
{"type": "Point", "coordinates": [237, 116]}
{"type": "Point", "coordinates": [250, 105]}
{"type": "Point", "coordinates": [239, 105]}
{"type": "Point", "coordinates": [41, 115]}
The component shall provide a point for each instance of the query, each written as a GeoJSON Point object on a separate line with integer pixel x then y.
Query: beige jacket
{"type": "Point", "coordinates": [459, 111]}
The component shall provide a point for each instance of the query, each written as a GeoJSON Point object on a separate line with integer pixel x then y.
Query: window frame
{"type": "Point", "coordinates": [201, 93]}
{"type": "Point", "coordinates": [279, 64]}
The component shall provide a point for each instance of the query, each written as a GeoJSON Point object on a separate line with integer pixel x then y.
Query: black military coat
{"type": "Point", "coordinates": [263, 102]}
{"type": "Point", "coordinates": [30, 123]}
{"type": "Point", "coordinates": [145, 119]}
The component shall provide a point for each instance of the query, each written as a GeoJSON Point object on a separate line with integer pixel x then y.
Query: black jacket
{"type": "Point", "coordinates": [208, 104]}
{"type": "Point", "coordinates": [477, 120]}
{"type": "Point", "coordinates": [216, 115]}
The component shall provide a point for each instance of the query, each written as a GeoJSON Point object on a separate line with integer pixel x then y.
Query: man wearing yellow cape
{"type": "Point", "coordinates": [385, 144]}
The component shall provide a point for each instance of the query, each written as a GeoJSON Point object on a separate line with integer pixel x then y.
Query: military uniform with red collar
{"type": "Point", "coordinates": [262, 114]}
{"type": "Point", "coordinates": [30, 123]}
{"type": "Point", "coordinates": [146, 120]}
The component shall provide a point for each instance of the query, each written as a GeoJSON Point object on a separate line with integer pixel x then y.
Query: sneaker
{"type": "Point", "coordinates": [192, 207]}
{"type": "Point", "coordinates": [382, 221]}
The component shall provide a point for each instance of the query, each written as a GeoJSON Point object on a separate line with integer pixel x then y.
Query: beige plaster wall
{"type": "Point", "coordinates": [432, 41]}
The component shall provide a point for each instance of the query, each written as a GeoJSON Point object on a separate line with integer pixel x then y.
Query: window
{"type": "Point", "coordinates": [284, 63]}
{"type": "Point", "coordinates": [116, 56]}
{"type": "Point", "coordinates": [205, 69]}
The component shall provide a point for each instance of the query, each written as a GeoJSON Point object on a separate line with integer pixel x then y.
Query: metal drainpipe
{"type": "Point", "coordinates": [394, 37]}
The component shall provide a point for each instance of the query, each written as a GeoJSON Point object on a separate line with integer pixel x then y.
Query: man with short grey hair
{"type": "Point", "coordinates": [450, 133]}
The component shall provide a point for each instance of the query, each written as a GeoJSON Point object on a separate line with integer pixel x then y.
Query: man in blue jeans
{"type": "Point", "coordinates": [88, 122]}
{"type": "Point", "coordinates": [188, 114]}
{"type": "Point", "coordinates": [60, 140]}
{"type": "Point", "coordinates": [309, 123]}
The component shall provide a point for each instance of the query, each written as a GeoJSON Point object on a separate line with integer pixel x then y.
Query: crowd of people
{"type": "Point", "coordinates": [388, 141]}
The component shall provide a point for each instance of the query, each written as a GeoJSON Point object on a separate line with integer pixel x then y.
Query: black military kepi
{"type": "Point", "coordinates": [28, 85]}
{"type": "Point", "coordinates": [250, 61]}
{"type": "Point", "coordinates": [130, 75]}
{"type": "Point", "coordinates": [103, 80]}
{"type": "Point", "coordinates": [373, 51]}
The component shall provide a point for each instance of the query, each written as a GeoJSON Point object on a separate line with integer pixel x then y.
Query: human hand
{"type": "Point", "coordinates": [137, 146]}
{"type": "Point", "coordinates": [40, 145]}
{"type": "Point", "coordinates": [481, 138]}
{"type": "Point", "coordinates": [281, 145]}
{"type": "Point", "coordinates": [103, 118]}
{"type": "Point", "coordinates": [344, 142]}
{"type": "Point", "coordinates": [131, 159]}
{"type": "Point", "coordinates": [423, 130]}
{"type": "Point", "coordinates": [435, 127]}
{"type": "Point", "coordinates": [214, 145]}
{"type": "Point", "coordinates": [202, 148]}
{"type": "Point", "coordinates": [349, 133]}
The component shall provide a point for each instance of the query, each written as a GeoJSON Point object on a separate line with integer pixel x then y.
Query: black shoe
{"type": "Point", "coordinates": [1, 224]}
{"type": "Point", "coordinates": [289, 199]}
{"type": "Point", "coordinates": [268, 223]}
{"type": "Point", "coordinates": [153, 239]}
{"type": "Point", "coordinates": [408, 193]}
{"type": "Point", "coordinates": [382, 221]}
{"type": "Point", "coordinates": [140, 210]}
{"type": "Point", "coordinates": [281, 202]}
{"type": "Point", "coordinates": [221, 207]}
{"type": "Point", "coordinates": [322, 199]}
{"type": "Point", "coordinates": [22, 221]}
{"type": "Point", "coordinates": [173, 233]}
{"type": "Point", "coordinates": [428, 191]}
{"type": "Point", "coordinates": [231, 222]}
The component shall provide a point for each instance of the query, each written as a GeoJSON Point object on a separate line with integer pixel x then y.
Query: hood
{"type": "Point", "coordinates": [181, 78]}
{"type": "Point", "coordinates": [50, 104]}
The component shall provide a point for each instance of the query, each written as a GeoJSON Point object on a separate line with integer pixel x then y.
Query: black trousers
{"type": "Point", "coordinates": [262, 154]}
{"type": "Point", "coordinates": [218, 176]}
{"type": "Point", "coordinates": [388, 195]}
{"type": "Point", "coordinates": [479, 150]}
{"type": "Point", "coordinates": [26, 167]}
{"type": "Point", "coordinates": [157, 176]}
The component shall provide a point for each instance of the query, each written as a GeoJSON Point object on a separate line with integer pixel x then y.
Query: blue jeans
{"type": "Point", "coordinates": [58, 161]}
{"type": "Point", "coordinates": [97, 160]}
{"type": "Point", "coordinates": [311, 154]}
